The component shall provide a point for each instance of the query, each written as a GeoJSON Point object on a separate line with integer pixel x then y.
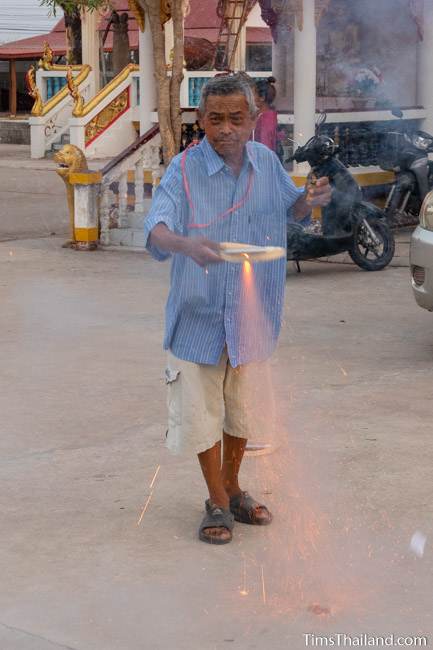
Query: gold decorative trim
{"type": "Point", "coordinates": [77, 111]}
{"type": "Point", "coordinates": [107, 116]}
{"type": "Point", "coordinates": [164, 11]}
{"type": "Point", "coordinates": [63, 92]}
{"type": "Point", "coordinates": [34, 91]}
{"type": "Point", "coordinates": [112, 85]}
{"type": "Point", "coordinates": [138, 12]}
{"type": "Point", "coordinates": [85, 178]}
{"type": "Point", "coordinates": [46, 62]}
{"type": "Point", "coordinates": [86, 234]}
{"type": "Point", "coordinates": [71, 161]}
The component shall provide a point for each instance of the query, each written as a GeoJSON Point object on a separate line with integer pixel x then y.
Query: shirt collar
{"type": "Point", "coordinates": [215, 163]}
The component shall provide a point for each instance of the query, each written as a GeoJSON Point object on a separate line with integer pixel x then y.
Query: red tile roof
{"type": "Point", "coordinates": [202, 22]}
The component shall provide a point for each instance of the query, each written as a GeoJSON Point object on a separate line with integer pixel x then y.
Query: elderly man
{"type": "Point", "coordinates": [224, 189]}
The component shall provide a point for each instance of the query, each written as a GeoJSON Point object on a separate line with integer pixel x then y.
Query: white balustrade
{"type": "Point", "coordinates": [47, 130]}
{"type": "Point", "coordinates": [145, 158]}
{"type": "Point", "coordinates": [123, 200]}
{"type": "Point", "coordinates": [139, 185]}
{"type": "Point", "coordinates": [111, 116]}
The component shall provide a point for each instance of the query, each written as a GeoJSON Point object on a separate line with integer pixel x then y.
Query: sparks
{"type": "Point", "coordinates": [144, 509]}
{"type": "Point", "coordinates": [263, 586]}
{"type": "Point", "coordinates": [154, 477]}
{"type": "Point", "coordinates": [243, 591]}
{"type": "Point", "coordinates": [343, 371]}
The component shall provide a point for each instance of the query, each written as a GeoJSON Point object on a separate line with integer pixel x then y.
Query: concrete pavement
{"type": "Point", "coordinates": [83, 421]}
{"type": "Point", "coordinates": [32, 195]}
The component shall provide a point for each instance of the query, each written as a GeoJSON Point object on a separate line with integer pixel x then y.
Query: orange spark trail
{"type": "Point", "coordinates": [150, 495]}
{"type": "Point", "coordinates": [263, 586]}
{"type": "Point", "coordinates": [243, 591]}
{"type": "Point", "coordinates": [144, 509]}
{"type": "Point", "coordinates": [154, 477]}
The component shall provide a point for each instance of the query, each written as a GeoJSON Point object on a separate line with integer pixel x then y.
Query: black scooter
{"type": "Point", "coordinates": [348, 224]}
{"type": "Point", "coordinates": [406, 154]}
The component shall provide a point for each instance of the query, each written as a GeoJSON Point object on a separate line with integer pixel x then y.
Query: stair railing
{"type": "Point", "coordinates": [53, 105]}
{"type": "Point", "coordinates": [101, 125]}
{"type": "Point", "coordinates": [132, 173]}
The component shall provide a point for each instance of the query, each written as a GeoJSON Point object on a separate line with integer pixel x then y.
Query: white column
{"type": "Point", "coordinates": [425, 67]}
{"type": "Point", "coordinates": [305, 80]}
{"type": "Point", "coordinates": [240, 57]}
{"type": "Point", "coordinates": [90, 45]}
{"type": "Point", "coordinates": [123, 200]}
{"type": "Point", "coordinates": [147, 79]}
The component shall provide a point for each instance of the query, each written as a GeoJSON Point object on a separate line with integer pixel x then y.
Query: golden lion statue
{"type": "Point", "coordinates": [70, 160]}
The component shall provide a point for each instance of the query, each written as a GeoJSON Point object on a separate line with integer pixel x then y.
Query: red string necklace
{"type": "Point", "coordinates": [235, 207]}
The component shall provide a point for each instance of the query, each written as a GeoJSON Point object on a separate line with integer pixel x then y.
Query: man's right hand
{"type": "Point", "coordinates": [202, 251]}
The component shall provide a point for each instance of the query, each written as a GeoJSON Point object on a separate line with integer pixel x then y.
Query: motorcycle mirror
{"type": "Point", "coordinates": [296, 145]}
{"type": "Point", "coordinates": [397, 112]}
{"type": "Point", "coordinates": [321, 119]}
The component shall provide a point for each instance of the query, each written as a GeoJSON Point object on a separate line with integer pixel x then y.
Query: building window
{"type": "Point", "coordinates": [259, 57]}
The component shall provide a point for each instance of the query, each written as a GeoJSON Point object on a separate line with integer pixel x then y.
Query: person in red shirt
{"type": "Point", "coordinates": [267, 121]}
{"type": "Point", "coordinates": [266, 133]}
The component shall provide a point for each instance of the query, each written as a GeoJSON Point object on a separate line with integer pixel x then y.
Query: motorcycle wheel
{"type": "Point", "coordinates": [366, 253]}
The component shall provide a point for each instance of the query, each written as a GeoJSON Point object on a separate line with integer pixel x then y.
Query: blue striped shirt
{"type": "Point", "coordinates": [204, 311]}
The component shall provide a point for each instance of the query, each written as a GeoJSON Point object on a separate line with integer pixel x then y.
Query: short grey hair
{"type": "Point", "coordinates": [230, 84]}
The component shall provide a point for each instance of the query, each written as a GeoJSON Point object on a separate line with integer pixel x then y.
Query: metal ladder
{"type": "Point", "coordinates": [233, 14]}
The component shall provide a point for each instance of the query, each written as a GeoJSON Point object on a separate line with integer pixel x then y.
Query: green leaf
{"type": "Point", "coordinates": [69, 6]}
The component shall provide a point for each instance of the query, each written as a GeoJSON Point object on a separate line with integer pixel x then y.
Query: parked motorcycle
{"type": "Point", "coordinates": [406, 154]}
{"type": "Point", "coordinates": [347, 224]}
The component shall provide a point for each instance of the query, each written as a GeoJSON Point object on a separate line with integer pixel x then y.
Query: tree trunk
{"type": "Point", "coordinates": [73, 34]}
{"type": "Point", "coordinates": [177, 71]}
{"type": "Point", "coordinates": [168, 86]}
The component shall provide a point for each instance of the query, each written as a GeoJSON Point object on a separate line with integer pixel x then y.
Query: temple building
{"type": "Point", "coordinates": [354, 59]}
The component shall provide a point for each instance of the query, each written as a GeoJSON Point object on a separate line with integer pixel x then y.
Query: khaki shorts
{"type": "Point", "coordinates": [204, 400]}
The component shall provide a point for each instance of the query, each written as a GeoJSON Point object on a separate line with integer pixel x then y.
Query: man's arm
{"type": "Point", "coordinates": [317, 194]}
{"type": "Point", "coordinates": [202, 251]}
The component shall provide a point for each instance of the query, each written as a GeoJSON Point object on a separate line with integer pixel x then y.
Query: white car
{"type": "Point", "coordinates": [421, 256]}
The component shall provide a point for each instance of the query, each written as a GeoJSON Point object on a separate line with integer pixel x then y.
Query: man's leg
{"type": "Point", "coordinates": [242, 412]}
{"type": "Point", "coordinates": [210, 462]}
{"type": "Point", "coordinates": [233, 452]}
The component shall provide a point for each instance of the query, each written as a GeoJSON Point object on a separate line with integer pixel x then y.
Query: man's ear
{"type": "Point", "coordinates": [200, 119]}
{"type": "Point", "coordinates": [254, 119]}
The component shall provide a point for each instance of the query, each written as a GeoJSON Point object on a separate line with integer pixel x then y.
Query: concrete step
{"type": "Point", "coordinates": [127, 237]}
{"type": "Point", "coordinates": [64, 139]}
{"type": "Point", "coordinates": [136, 219]}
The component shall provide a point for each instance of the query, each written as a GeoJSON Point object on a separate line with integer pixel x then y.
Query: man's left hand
{"type": "Point", "coordinates": [318, 193]}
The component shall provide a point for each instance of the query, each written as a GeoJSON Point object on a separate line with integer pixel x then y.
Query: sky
{"type": "Point", "coordinates": [24, 18]}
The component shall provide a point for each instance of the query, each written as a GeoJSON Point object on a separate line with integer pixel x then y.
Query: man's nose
{"type": "Point", "coordinates": [226, 128]}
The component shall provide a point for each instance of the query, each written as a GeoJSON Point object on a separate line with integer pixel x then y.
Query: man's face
{"type": "Point", "coordinates": [228, 123]}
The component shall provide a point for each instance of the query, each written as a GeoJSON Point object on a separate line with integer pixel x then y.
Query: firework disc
{"type": "Point", "coordinates": [238, 253]}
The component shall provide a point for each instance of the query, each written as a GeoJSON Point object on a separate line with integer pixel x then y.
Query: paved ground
{"type": "Point", "coordinates": [32, 196]}
{"type": "Point", "coordinates": [83, 422]}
